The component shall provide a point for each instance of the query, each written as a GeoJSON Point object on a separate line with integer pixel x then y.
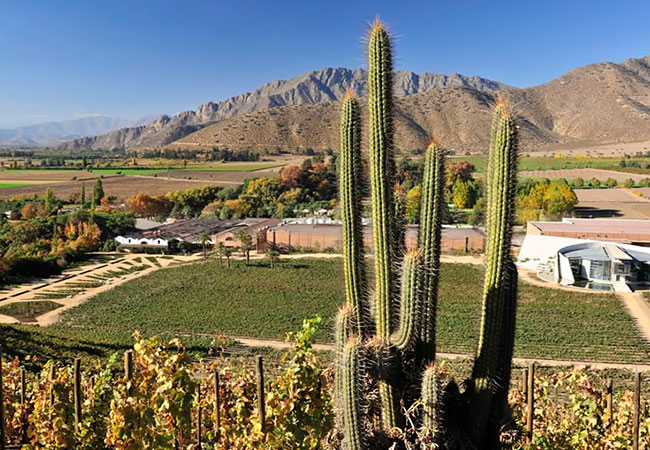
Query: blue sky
{"type": "Point", "coordinates": [69, 59]}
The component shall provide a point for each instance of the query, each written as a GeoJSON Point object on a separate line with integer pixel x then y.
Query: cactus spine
{"type": "Point", "coordinates": [387, 359]}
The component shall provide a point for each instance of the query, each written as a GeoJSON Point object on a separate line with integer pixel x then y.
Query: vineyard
{"type": "Point", "coordinates": [159, 396]}
{"type": "Point", "coordinates": [257, 301]}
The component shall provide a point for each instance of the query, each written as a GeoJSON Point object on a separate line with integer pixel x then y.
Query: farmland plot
{"type": "Point", "coordinates": [206, 299]}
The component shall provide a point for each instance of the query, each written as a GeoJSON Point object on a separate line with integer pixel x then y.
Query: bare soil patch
{"type": "Point", "coordinates": [574, 149]}
{"type": "Point", "coordinates": [121, 186]}
{"type": "Point", "coordinates": [43, 176]}
{"type": "Point", "coordinates": [585, 174]}
{"type": "Point", "coordinates": [221, 177]}
{"type": "Point", "coordinates": [617, 203]}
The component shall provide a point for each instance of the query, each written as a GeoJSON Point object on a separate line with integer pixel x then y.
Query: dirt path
{"type": "Point", "coordinates": [22, 294]}
{"type": "Point", "coordinates": [637, 306]}
{"type": "Point", "coordinates": [215, 181]}
{"type": "Point", "coordinates": [282, 345]}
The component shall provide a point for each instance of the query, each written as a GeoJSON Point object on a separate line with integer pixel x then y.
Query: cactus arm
{"type": "Point", "coordinates": [409, 315]}
{"type": "Point", "coordinates": [431, 397]}
{"type": "Point", "coordinates": [499, 291]}
{"type": "Point", "coordinates": [350, 201]}
{"type": "Point", "coordinates": [432, 207]}
{"type": "Point", "coordinates": [350, 380]}
{"type": "Point", "coordinates": [380, 66]}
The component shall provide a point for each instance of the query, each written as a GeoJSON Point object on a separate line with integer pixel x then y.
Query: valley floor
{"type": "Point", "coordinates": [200, 302]}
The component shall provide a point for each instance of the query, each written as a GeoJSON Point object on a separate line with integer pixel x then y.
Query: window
{"type": "Point", "coordinates": [622, 269]}
{"type": "Point", "coordinates": [600, 270]}
{"type": "Point", "coordinates": [575, 263]}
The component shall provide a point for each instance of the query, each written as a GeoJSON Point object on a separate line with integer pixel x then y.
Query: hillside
{"type": "Point", "coordinates": [592, 105]}
{"type": "Point", "coordinates": [459, 117]}
{"type": "Point", "coordinates": [596, 104]}
{"type": "Point", "coordinates": [310, 88]}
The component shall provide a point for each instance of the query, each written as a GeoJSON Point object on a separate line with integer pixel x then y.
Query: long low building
{"type": "Point", "coordinates": [330, 237]}
{"type": "Point", "coordinates": [190, 232]}
{"type": "Point", "coordinates": [635, 232]}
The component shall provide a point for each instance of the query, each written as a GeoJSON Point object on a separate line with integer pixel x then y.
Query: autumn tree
{"type": "Point", "coordinates": [29, 211]}
{"type": "Point", "coordinates": [461, 194]}
{"type": "Point", "coordinates": [291, 176]}
{"type": "Point", "coordinates": [144, 205]}
{"type": "Point", "coordinates": [413, 197]}
{"type": "Point", "coordinates": [461, 170]}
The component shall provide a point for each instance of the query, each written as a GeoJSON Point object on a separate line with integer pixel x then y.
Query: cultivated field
{"type": "Point", "coordinates": [120, 186]}
{"type": "Point", "coordinates": [124, 183]}
{"type": "Point", "coordinates": [530, 163]}
{"type": "Point", "coordinates": [585, 174]}
{"type": "Point", "coordinates": [226, 178]}
{"type": "Point", "coordinates": [612, 203]}
{"type": "Point", "coordinates": [198, 301]}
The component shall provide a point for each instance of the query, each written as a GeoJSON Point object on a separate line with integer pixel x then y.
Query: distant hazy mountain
{"type": "Point", "coordinates": [54, 133]}
{"type": "Point", "coordinates": [310, 88]}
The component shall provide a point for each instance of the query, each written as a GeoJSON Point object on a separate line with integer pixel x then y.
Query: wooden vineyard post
{"type": "Point", "coordinates": [23, 404]}
{"type": "Point", "coordinates": [128, 364]}
{"type": "Point", "coordinates": [77, 393]}
{"type": "Point", "coordinates": [217, 403]}
{"type": "Point", "coordinates": [260, 392]}
{"type": "Point", "coordinates": [637, 410]}
{"type": "Point", "coordinates": [610, 399]}
{"type": "Point", "coordinates": [530, 400]}
{"type": "Point", "coordinates": [198, 416]}
{"type": "Point", "coordinates": [525, 382]}
{"type": "Point", "coordinates": [3, 436]}
{"type": "Point", "coordinates": [52, 377]}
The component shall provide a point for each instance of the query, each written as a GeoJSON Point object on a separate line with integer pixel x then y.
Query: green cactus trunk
{"type": "Point", "coordinates": [432, 206]}
{"type": "Point", "coordinates": [409, 315]}
{"type": "Point", "coordinates": [350, 379]}
{"type": "Point", "coordinates": [380, 99]}
{"type": "Point", "coordinates": [431, 405]}
{"type": "Point", "coordinates": [491, 373]}
{"type": "Point", "coordinates": [350, 201]}
{"type": "Point", "coordinates": [397, 345]}
{"type": "Point", "coordinates": [380, 124]}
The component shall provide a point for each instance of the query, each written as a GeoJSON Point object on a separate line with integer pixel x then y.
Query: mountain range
{"type": "Point", "coordinates": [50, 134]}
{"type": "Point", "coordinates": [595, 104]}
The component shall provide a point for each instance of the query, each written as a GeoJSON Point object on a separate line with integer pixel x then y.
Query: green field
{"type": "Point", "coordinates": [13, 185]}
{"type": "Point", "coordinates": [551, 163]}
{"type": "Point", "coordinates": [257, 301]}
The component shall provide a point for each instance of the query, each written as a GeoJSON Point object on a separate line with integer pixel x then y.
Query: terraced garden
{"type": "Point", "coordinates": [198, 301]}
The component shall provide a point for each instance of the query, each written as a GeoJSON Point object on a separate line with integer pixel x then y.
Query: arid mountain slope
{"type": "Point", "coordinates": [458, 117]}
{"type": "Point", "coordinates": [310, 88]}
{"type": "Point", "coordinates": [595, 104]}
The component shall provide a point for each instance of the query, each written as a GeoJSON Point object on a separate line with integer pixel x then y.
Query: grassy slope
{"type": "Point", "coordinates": [263, 302]}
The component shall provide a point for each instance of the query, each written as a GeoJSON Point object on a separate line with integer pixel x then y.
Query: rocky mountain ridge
{"type": "Point", "coordinates": [313, 87]}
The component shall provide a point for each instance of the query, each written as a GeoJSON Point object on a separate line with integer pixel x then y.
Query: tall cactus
{"type": "Point", "coordinates": [491, 371]}
{"type": "Point", "coordinates": [386, 359]}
